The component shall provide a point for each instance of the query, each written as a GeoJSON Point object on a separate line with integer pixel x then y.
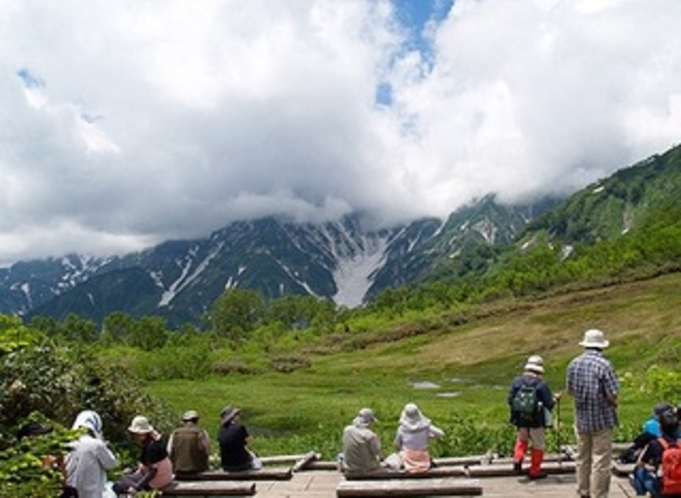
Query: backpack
{"type": "Point", "coordinates": [670, 468]}
{"type": "Point", "coordinates": [526, 402]}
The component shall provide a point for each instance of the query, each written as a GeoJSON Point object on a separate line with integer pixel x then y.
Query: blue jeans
{"type": "Point", "coordinates": [646, 481]}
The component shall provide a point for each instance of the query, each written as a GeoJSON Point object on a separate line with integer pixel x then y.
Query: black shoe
{"type": "Point", "coordinates": [541, 475]}
{"type": "Point", "coordinates": [518, 467]}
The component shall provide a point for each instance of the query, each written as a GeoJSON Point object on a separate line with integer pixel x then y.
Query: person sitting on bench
{"type": "Point", "coordinates": [361, 445]}
{"type": "Point", "coordinates": [413, 437]}
{"type": "Point", "coordinates": [235, 456]}
{"type": "Point", "coordinates": [189, 446]}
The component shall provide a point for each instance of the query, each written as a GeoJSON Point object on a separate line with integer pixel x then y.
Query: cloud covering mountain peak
{"type": "Point", "coordinates": [221, 110]}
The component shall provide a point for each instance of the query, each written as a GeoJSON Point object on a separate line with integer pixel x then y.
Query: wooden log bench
{"type": "Point", "coordinates": [322, 465]}
{"type": "Point", "coordinates": [506, 470]}
{"type": "Point", "coordinates": [401, 474]}
{"type": "Point", "coordinates": [462, 460]}
{"type": "Point", "coordinates": [410, 487]}
{"type": "Point", "coordinates": [209, 488]}
{"type": "Point", "coordinates": [264, 474]}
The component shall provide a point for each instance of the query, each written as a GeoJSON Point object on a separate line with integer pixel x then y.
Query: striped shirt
{"type": "Point", "coordinates": [592, 381]}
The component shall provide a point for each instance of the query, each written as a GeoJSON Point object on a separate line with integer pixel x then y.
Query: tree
{"type": "Point", "coordinates": [236, 313]}
{"type": "Point", "coordinates": [117, 328]}
{"type": "Point", "coordinates": [46, 324]}
{"type": "Point", "coordinates": [149, 333]}
{"type": "Point", "coordinates": [77, 329]}
{"type": "Point", "coordinates": [300, 312]}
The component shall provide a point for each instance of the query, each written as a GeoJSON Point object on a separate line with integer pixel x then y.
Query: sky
{"type": "Point", "coordinates": [126, 123]}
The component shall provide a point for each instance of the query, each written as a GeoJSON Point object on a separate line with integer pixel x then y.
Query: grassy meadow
{"type": "Point", "coordinates": [458, 373]}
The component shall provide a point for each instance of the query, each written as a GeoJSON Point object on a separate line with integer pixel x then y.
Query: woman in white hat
{"type": "Point", "coordinates": [413, 437]}
{"type": "Point", "coordinates": [155, 470]}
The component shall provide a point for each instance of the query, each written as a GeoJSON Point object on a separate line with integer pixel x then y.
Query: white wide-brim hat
{"type": "Point", "coordinates": [140, 425]}
{"type": "Point", "coordinates": [531, 366]}
{"type": "Point", "coordinates": [593, 338]}
{"type": "Point", "coordinates": [412, 418]}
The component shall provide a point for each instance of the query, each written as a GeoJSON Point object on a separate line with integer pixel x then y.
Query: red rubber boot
{"type": "Point", "coordinates": [518, 455]}
{"type": "Point", "coordinates": [535, 466]}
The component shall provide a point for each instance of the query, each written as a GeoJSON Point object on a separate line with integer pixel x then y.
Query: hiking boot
{"type": "Point", "coordinates": [541, 475]}
{"type": "Point", "coordinates": [518, 468]}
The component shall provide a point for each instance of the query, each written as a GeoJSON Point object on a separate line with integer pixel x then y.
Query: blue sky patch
{"type": "Point", "coordinates": [29, 79]}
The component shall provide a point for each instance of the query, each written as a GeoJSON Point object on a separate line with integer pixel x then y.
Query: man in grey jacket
{"type": "Point", "coordinates": [361, 445]}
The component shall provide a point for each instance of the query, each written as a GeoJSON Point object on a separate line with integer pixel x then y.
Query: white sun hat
{"type": "Point", "coordinates": [593, 338]}
{"type": "Point", "coordinates": [412, 418]}
{"type": "Point", "coordinates": [535, 363]}
{"type": "Point", "coordinates": [140, 425]}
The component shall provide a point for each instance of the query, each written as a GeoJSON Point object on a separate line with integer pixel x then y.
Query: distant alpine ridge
{"type": "Point", "coordinates": [344, 261]}
{"type": "Point", "coordinates": [179, 280]}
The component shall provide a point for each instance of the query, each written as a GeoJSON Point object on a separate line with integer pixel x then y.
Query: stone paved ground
{"type": "Point", "coordinates": [322, 484]}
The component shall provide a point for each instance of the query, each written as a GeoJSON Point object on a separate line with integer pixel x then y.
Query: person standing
{"type": "Point", "coordinates": [413, 437]}
{"type": "Point", "coordinates": [89, 458]}
{"type": "Point", "coordinates": [528, 398]}
{"type": "Point", "coordinates": [591, 381]}
{"type": "Point", "coordinates": [361, 445]}
{"type": "Point", "coordinates": [235, 456]}
{"type": "Point", "coordinates": [189, 446]}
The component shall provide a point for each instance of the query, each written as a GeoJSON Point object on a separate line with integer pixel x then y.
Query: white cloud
{"type": "Point", "coordinates": [159, 119]}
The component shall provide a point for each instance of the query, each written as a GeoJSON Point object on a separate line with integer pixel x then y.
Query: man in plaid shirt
{"type": "Point", "coordinates": [592, 382]}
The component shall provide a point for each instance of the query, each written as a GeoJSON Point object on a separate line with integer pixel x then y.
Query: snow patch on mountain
{"type": "Point", "coordinates": [353, 274]}
{"type": "Point", "coordinates": [294, 276]}
{"type": "Point", "coordinates": [187, 278]}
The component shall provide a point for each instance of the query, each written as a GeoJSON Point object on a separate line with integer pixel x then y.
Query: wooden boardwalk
{"type": "Point", "coordinates": [309, 478]}
{"type": "Point", "coordinates": [323, 483]}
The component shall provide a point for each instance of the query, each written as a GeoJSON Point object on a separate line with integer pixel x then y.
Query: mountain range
{"type": "Point", "coordinates": [346, 261]}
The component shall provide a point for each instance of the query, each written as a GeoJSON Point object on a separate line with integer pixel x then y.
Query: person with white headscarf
{"type": "Point", "coordinates": [413, 438]}
{"type": "Point", "coordinates": [89, 458]}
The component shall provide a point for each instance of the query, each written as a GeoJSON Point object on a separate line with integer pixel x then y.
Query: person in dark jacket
{"type": "Point", "coordinates": [155, 470]}
{"type": "Point", "coordinates": [650, 460]}
{"type": "Point", "coordinates": [189, 446]}
{"type": "Point", "coordinates": [651, 430]}
{"type": "Point", "coordinates": [530, 427]}
{"type": "Point", "coordinates": [233, 437]}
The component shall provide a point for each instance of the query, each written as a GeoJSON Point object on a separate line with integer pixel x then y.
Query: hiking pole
{"type": "Point", "coordinates": [623, 490]}
{"type": "Point", "coordinates": [559, 428]}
